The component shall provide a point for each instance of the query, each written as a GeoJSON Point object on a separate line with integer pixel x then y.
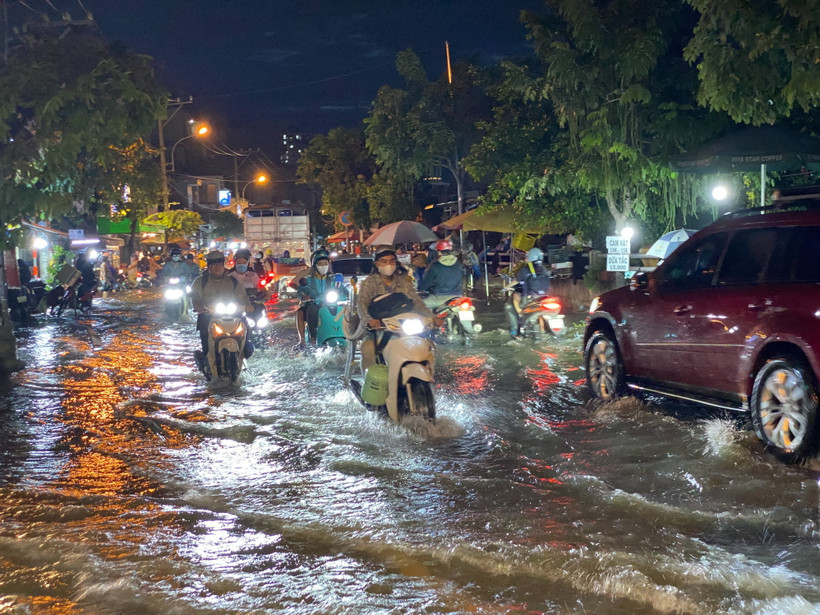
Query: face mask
{"type": "Point", "coordinates": [323, 269]}
{"type": "Point", "coordinates": [176, 258]}
{"type": "Point", "coordinates": [258, 256]}
{"type": "Point", "coordinates": [387, 270]}
{"type": "Point", "coordinates": [241, 268]}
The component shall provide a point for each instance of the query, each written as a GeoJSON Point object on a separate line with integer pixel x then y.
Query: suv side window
{"type": "Point", "coordinates": [796, 256]}
{"type": "Point", "coordinates": [694, 266]}
{"type": "Point", "coordinates": [747, 255]}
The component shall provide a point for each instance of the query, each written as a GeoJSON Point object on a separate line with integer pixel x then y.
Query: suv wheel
{"type": "Point", "coordinates": [604, 366]}
{"type": "Point", "coordinates": [784, 408]}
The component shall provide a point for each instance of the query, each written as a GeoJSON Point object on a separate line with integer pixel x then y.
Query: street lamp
{"type": "Point", "coordinates": [259, 179]}
{"type": "Point", "coordinates": [201, 130]}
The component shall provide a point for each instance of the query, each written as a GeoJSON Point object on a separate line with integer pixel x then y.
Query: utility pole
{"type": "Point", "coordinates": [176, 104]}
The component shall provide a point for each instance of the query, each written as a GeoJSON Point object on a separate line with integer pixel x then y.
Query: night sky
{"type": "Point", "coordinates": [261, 66]}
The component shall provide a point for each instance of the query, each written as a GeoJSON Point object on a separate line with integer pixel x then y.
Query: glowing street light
{"type": "Point", "coordinates": [720, 193]}
{"type": "Point", "coordinates": [259, 179]}
{"type": "Point", "coordinates": [200, 130]}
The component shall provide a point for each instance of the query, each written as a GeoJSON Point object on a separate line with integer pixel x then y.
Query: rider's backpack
{"type": "Point", "coordinates": [391, 304]}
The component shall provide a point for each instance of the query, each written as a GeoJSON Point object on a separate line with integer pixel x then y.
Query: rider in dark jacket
{"type": "Point", "coordinates": [442, 279]}
{"type": "Point", "coordinates": [534, 280]}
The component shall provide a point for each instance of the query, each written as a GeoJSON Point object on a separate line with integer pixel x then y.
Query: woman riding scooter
{"type": "Point", "coordinates": [311, 289]}
{"type": "Point", "coordinates": [534, 279]}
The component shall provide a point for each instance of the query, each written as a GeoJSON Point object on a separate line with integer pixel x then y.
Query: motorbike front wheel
{"type": "Point", "coordinates": [230, 363]}
{"type": "Point", "coordinates": [424, 402]}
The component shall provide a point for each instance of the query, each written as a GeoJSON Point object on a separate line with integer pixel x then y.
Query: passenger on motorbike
{"type": "Point", "coordinates": [193, 267]}
{"type": "Point", "coordinates": [174, 267]}
{"type": "Point", "coordinates": [534, 279]}
{"type": "Point", "coordinates": [387, 278]}
{"type": "Point", "coordinates": [442, 279]}
{"type": "Point", "coordinates": [212, 287]}
{"type": "Point", "coordinates": [249, 280]}
{"type": "Point", "coordinates": [310, 291]}
{"type": "Point", "coordinates": [89, 281]}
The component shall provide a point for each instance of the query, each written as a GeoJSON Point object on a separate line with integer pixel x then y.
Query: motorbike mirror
{"type": "Point", "coordinates": [339, 278]}
{"type": "Point", "coordinates": [353, 280]}
{"type": "Point", "coordinates": [302, 282]}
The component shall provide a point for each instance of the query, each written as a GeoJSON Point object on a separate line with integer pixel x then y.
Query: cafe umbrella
{"type": "Point", "coordinates": [763, 148]}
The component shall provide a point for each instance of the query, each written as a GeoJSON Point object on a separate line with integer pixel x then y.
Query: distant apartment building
{"type": "Point", "coordinates": [292, 146]}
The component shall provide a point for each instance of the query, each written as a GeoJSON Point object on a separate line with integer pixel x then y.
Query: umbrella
{"type": "Point", "coordinates": [746, 150]}
{"type": "Point", "coordinates": [401, 232]}
{"type": "Point", "coordinates": [499, 221]}
{"type": "Point", "coordinates": [750, 149]}
{"type": "Point", "coordinates": [669, 242]}
{"type": "Point", "coordinates": [351, 235]}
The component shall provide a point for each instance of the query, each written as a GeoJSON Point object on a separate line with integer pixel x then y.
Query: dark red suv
{"type": "Point", "coordinates": [731, 319]}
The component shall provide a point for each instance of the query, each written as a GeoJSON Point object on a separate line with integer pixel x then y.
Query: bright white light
{"type": "Point", "coordinates": [222, 308]}
{"type": "Point", "coordinates": [332, 296]}
{"type": "Point", "coordinates": [412, 326]}
{"type": "Point", "coordinates": [40, 243]}
{"type": "Point", "coordinates": [173, 294]}
{"type": "Point", "coordinates": [262, 322]}
{"type": "Point", "coordinates": [212, 244]}
{"type": "Point", "coordinates": [627, 232]}
{"type": "Point", "coordinates": [92, 255]}
{"type": "Point", "coordinates": [251, 322]}
{"type": "Point", "coordinates": [334, 254]}
{"type": "Point", "coordinates": [234, 245]}
{"type": "Point", "coordinates": [720, 193]}
{"type": "Point", "coordinates": [173, 280]}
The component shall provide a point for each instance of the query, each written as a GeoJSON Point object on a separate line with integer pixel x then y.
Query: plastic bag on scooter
{"type": "Point", "coordinates": [391, 304]}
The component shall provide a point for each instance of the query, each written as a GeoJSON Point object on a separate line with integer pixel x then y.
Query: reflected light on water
{"type": "Point", "coordinates": [470, 374]}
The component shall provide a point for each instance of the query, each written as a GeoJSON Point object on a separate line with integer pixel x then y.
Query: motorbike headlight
{"type": "Point", "coordinates": [262, 322]}
{"type": "Point", "coordinates": [412, 326]}
{"type": "Point", "coordinates": [239, 329]}
{"type": "Point", "coordinates": [173, 294]}
{"type": "Point", "coordinates": [593, 307]}
{"type": "Point", "coordinates": [218, 330]}
{"type": "Point", "coordinates": [188, 290]}
{"type": "Point", "coordinates": [225, 308]}
{"type": "Point", "coordinates": [332, 296]}
{"type": "Point", "coordinates": [251, 322]}
{"type": "Point", "coordinates": [173, 280]}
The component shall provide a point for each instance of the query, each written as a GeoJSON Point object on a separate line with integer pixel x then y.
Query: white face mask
{"type": "Point", "coordinates": [323, 269]}
{"type": "Point", "coordinates": [387, 270]}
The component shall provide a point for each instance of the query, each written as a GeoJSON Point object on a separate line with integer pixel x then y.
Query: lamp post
{"type": "Point", "coordinates": [259, 179]}
{"type": "Point", "coordinates": [200, 130]}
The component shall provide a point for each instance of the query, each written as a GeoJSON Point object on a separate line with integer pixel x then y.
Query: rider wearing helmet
{"type": "Point", "coordinates": [533, 279]}
{"type": "Point", "coordinates": [175, 267]}
{"type": "Point", "coordinates": [243, 273]}
{"type": "Point", "coordinates": [310, 291]}
{"type": "Point", "coordinates": [443, 279]}
{"type": "Point", "coordinates": [212, 287]}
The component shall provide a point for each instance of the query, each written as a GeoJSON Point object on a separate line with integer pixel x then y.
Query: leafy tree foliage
{"type": "Point", "coordinates": [616, 81]}
{"type": "Point", "coordinates": [225, 224]}
{"type": "Point", "coordinates": [427, 125]}
{"type": "Point", "coordinates": [72, 116]}
{"type": "Point", "coordinates": [339, 163]}
{"type": "Point", "coordinates": [759, 60]}
{"type": "Point", "coordinates": [177, 223]}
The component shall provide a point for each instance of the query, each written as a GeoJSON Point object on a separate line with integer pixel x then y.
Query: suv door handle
{"type": "Point", "coordinates": [757, 307]}
{"type": "Point", "coordinates": [682, 309]}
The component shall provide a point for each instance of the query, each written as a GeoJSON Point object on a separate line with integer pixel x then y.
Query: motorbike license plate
{"type": "Point", "coordinates": [21, 298]}
{"type": "Point", "coordinates": [556, 324]}
{"type": "Point", "coordinates": [466, 315]}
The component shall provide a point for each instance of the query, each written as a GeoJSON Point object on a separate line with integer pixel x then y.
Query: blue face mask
{"type": "Point", "coordinates": [241, 268]}
{"type": "Point", "coordinates": [176, 258]}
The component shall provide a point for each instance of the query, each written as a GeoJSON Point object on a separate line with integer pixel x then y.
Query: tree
{"type": "Point", "coordinates": [177, 223]}
{"type": "Point", "coordinates": [617, 83]}
{"type": "Point", "coordinates": [339, 163]}
{"type": "Point", "coordinates": [71, 105]}
{"type": "Point", "coordinates": [756, 61]}
{"type": "Point", "coordinates": [410, 132]}
{"type": "Point", "coordinates": [226, 224]}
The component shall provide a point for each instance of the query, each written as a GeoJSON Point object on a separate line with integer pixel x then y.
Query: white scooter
{"type": "Point", "coordinates": [175, 298]}
{"type": "Point", "coordinates": [227, 334]}
{"type": "Point", "coordinates": [400, 383]}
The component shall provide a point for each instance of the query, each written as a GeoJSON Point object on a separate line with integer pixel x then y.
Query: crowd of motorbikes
{"type": "Point", "coordinates": [399, 384]}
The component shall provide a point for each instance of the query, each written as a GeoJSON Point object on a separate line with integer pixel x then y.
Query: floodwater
{"type": "Point", "coordinates": [129, 486]}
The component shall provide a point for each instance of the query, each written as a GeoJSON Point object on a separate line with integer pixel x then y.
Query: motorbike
{"type": "Point", "coordinates": [227, 335]}
{"type": "Point", "coordinates": [400, 383]}
{"type": "Point", "coordinates": [541, 316]}
{"type": "Point", "coordinates": [175, 298]}
{"type": "Point", "coordinates": [258, 319]}
{"type": "Point", "coordinates": [75, 295]}
{"type": "Point", "coordinates": [458, 314]}
{"type": "Point", "coordinates": [329, 329]}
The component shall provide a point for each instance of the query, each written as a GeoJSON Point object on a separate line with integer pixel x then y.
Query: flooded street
{"type": "Point", "coordinates": [129, 486]}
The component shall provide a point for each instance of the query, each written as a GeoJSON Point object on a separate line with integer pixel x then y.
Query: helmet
{"type": "Point", "coordinates": [318, 255]}
{"type": "Point", "coordinates": [215, 256]}
{"type": "Point", "coordinates": [535, 255]}
{"type": "Point", "coordinates": [257, 255]}
{"type": "Point", "coordinates": [442, 245]}
{"type": "Point", "coordinates": [268, 252]}
{"type": "Point", "coordinates": [189, 256]}
{"type": "Point", "coordinates": [243, 253]}
{"type": "Point", "coordinates": [175, 252]}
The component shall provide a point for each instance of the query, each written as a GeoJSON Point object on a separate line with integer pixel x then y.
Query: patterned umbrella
{"type": "Point", "coordinates": [401, 232]}
{"type": "Point", "coordinates": [669, 242]}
